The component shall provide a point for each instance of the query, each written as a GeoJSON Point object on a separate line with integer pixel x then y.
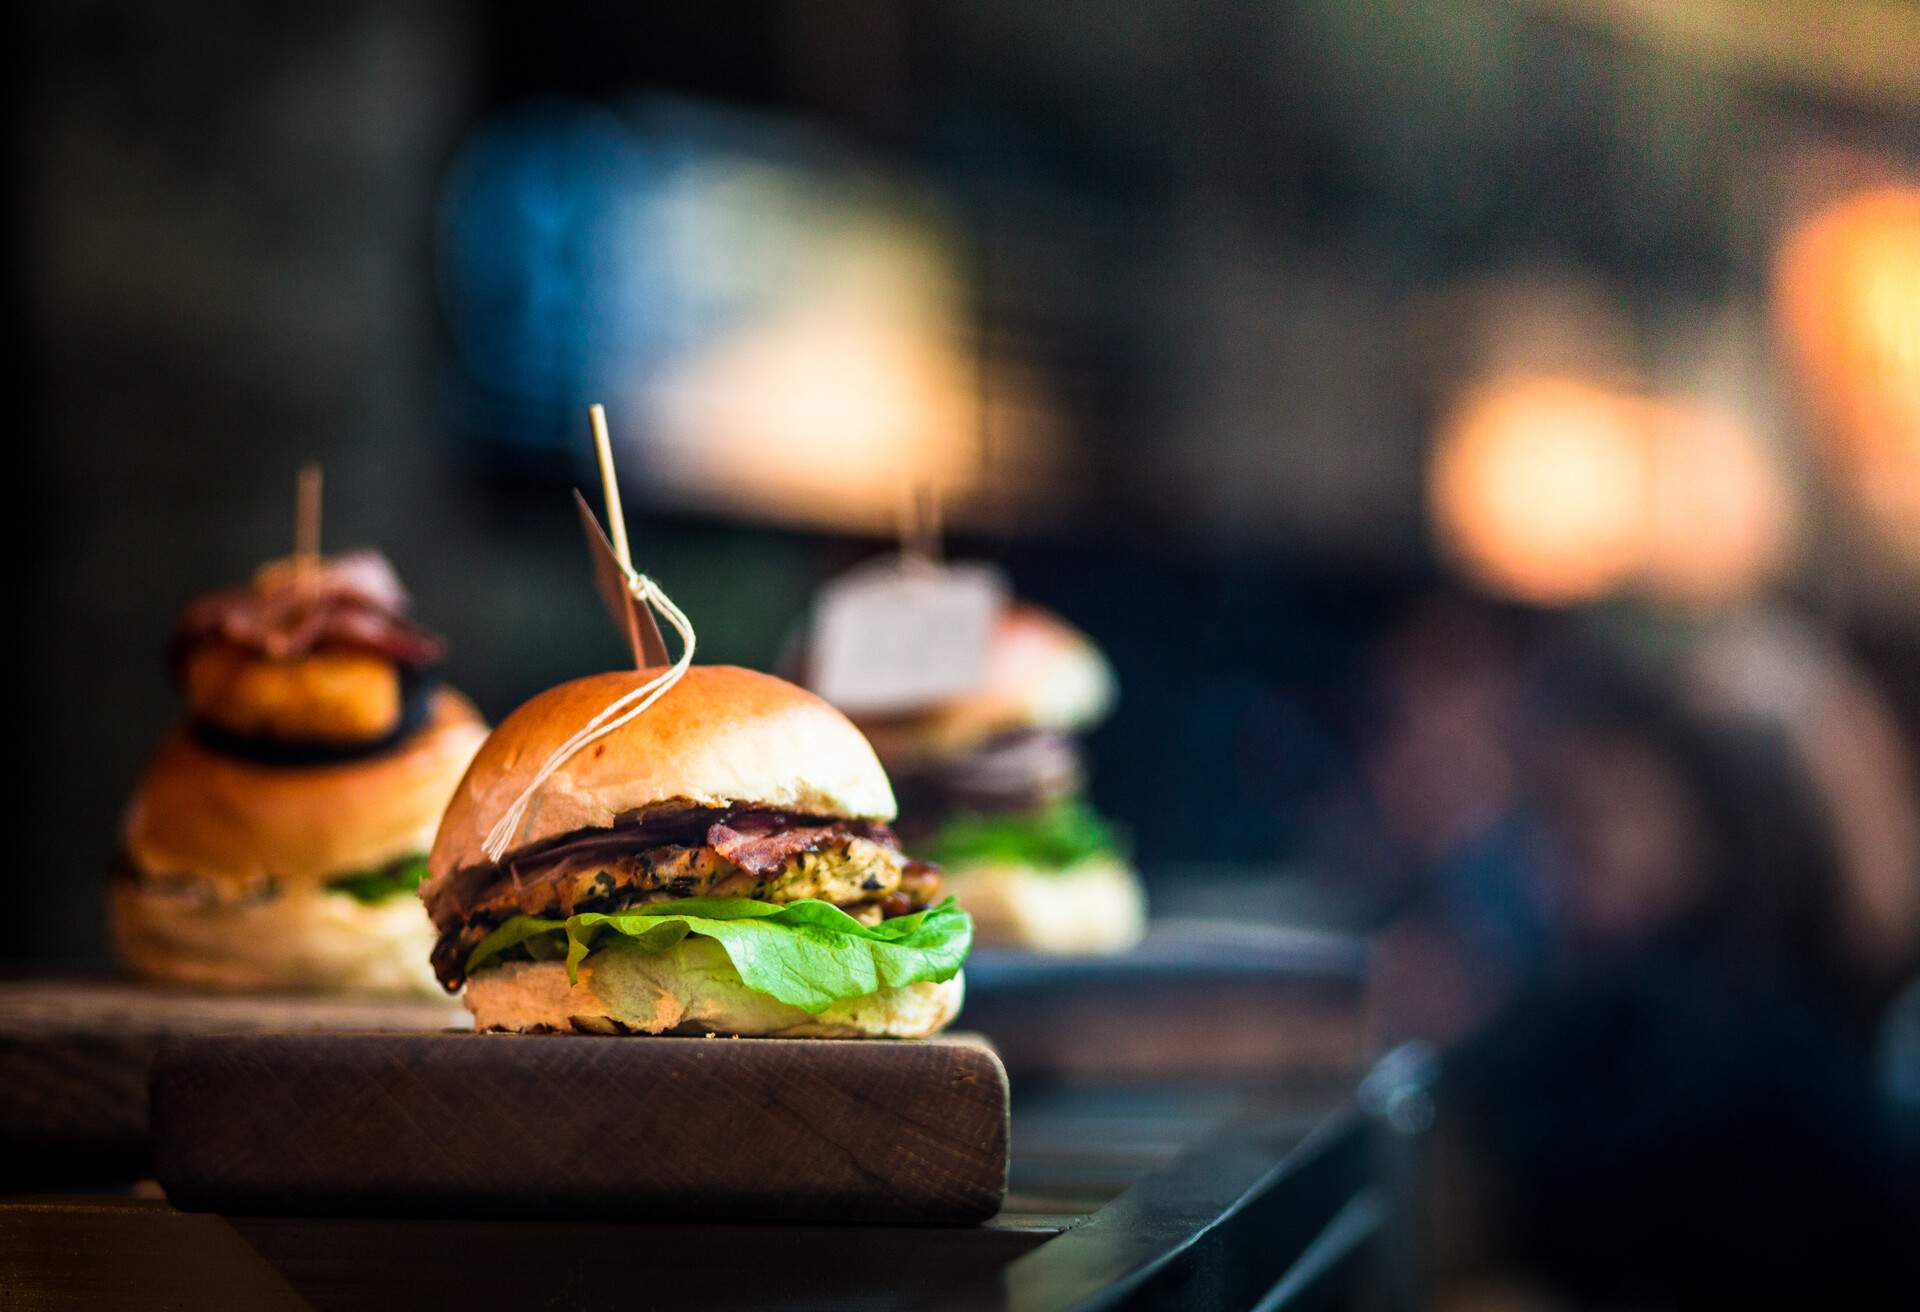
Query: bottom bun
{"type": "Point", "coordinates": [691, 988]}
{"type": "Point", "coordinates": [1095, 906]}
{"type": "Point", "coordinates": [304, 939]}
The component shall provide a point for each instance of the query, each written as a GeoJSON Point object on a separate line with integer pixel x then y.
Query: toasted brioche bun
{"type": "Point", "coordinates": [236, 824]}
{"type": "Point", "coordinates": [723, 736]}
{"type": "Point", "coordinates": [1041, 673]}
{"type": "Point", "coordinates": [307, 938]}
{"type": "Point", "coordinates": [691, 988]}
{"type": "Point", "coordinates": [1093, 907]}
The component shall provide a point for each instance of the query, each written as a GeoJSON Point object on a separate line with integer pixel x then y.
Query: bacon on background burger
{"type": "Point", "coordinates": [306, 657]}
{"type": "Point", "coordinates": [277, 837]}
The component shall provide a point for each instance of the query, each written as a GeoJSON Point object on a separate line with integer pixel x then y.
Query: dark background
{"type": "Point", "coordinates": [1240, 246]}
{"type": "Point", "coordinates": [1483, 434]}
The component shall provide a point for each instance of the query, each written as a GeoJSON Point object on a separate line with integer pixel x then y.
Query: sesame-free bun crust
{"type": "Point", "coordinates": [235, 823]}
{"type": "Point", "coordinates": [1093, 907]}
{"type": "Point", "coordinates": [722, 736]}
{"type": "Point", "coordinates": [691, 988]}
{"type": "Point", "coordinates": [1041, 673]}
{"type": "Point", "coordinates": [301, 940]}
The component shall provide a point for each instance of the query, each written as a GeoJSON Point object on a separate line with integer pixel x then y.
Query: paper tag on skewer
{"type": "Point", "coordinates": [895, 635]}
{"type": "Point", "coordinates": [630, 615]}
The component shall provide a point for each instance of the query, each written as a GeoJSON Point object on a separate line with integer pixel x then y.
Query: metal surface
{"type": "Point", "coordinates": [1205, 1001]}
{"type": "Point", "coordinates": [1218, 1228]}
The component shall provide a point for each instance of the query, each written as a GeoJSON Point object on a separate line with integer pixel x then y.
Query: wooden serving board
{"type": "Point", "coordinates": [581, 1126]}
{"type": "Point", "coordinates": [75, 1054]}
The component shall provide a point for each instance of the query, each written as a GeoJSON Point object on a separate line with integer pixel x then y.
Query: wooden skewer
{"type": "Point", "coordinates": [930, 524]}
{"type": "Point", "coordinates": [616, 522]}
{"type": "Point", "coordinates": [306, 520]}
{"type": "Point", "coordinates": [919, 521]}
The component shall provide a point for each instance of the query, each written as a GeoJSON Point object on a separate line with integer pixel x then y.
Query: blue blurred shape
{"type": "Point", "coordinates": [542, 263]}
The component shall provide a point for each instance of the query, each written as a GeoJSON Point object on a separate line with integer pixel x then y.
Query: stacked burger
{"type": "Point", "coordinates": [991, 787]}
{"type": "Point", "coordinates": [278, 837]}
{"type": "Point", "coordinates": [716, 862]}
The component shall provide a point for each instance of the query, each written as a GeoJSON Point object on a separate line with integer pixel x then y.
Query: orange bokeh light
{"type": "Point", "coordinates": [1720, 512]}
{"type": "Point", "coordinates": [1848, 298]}
{"type": "Point", "coordinates": [1555, 490]}
{"type": "Point", "coordinates": [1538, 486]}
{"type": "Point", "coordinates": [832, 410]}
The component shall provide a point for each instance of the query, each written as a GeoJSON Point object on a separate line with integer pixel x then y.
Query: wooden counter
{"type": "Point", "coordinates": [1120, 1197]}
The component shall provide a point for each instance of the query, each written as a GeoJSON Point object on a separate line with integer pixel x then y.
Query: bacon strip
{"type": "Point", "coordinates": [350, 600]}
{"type": "Point", "coordinates": [746, 831]}
{"type": "Point", "coordinates": [762, 854]}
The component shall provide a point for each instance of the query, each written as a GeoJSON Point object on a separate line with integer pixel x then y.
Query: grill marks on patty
{"type": "Point", "coordinates": [768, 856]}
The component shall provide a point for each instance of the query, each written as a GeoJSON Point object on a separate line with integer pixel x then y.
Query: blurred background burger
{"type": "Point", "coordinates": [277, 837]}
{"type": "Point", "coordinates": [992, 787]}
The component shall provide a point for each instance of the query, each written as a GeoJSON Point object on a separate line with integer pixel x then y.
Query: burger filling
{"type": "Point", "coordinates": [1013, 800]}
{"type": "Point", "coordinates": [768, 857]}
{"type": "Point", "coordinates": [1014, 773]}
{"type": "Point", "coordinates": [371, 887]}
{"type": "Point", "coordinates": [400, 878]}
{"type": "Point", "coordinates": [1051, 839]}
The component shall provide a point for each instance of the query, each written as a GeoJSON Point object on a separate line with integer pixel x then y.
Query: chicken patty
{"type": "Point", "coordinates": [868, 880]}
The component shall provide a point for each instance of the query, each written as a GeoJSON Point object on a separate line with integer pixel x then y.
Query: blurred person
{"type": "Point", "coordinates": [1680, 1106]}
{"type": "Point", "coordinates": [1555, 799]}
{"type": "Point", "coordinates": [1679, 828]}
{"type": "Point", "coordinates": [1844, 727]}
{"type": "Point", "coordinates": [1845, 720]}
{"type": "Point", "coordinates": [1469, 913]}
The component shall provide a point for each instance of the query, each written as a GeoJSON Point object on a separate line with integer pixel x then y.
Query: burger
{"type": "Point", "coordinates": [277, 838]}
{"type": "Point", "coordinates": [992, 787]}
{"type": "Point", "coordinates": [721, 864]}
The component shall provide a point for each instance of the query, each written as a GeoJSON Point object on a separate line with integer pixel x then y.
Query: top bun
{"type": "Point", "coordinates": [1041, 673]}
{"type": "Point", "coordinates": [233, 822]}
{"type": "Point", "coordinates": [722, 736]}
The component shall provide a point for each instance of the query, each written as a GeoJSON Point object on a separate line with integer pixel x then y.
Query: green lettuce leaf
{"type": "Point", "coordinates": [1052, 838]}
{"type": "Point", "coordinates": [397, 879]}
{"type": "Point", "coordinates": [808, 954]}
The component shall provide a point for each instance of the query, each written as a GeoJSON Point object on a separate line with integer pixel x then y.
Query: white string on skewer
{"type": "Point", "coordinates": [623, 710]}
